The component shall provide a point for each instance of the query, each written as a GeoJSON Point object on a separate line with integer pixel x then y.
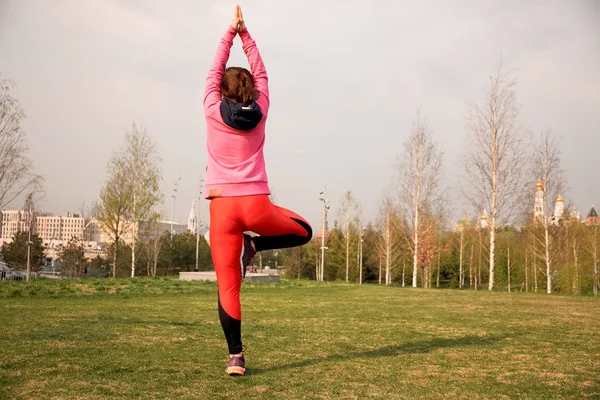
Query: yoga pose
{"type": "Point", "coordinates": [236, 106]}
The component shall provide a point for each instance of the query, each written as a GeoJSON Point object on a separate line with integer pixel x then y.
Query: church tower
{"type": "Point", "coordinates": [538, 209]}
{"type": "Point", "coordinates": [559, 210]}
{"type": "Point", "coordinates": [462, 224]}
{"type": "Point", "coordinates": [192, 220]}
{"type": "Point", "coordinates": [483, 222]}
{"type": "Point", "coordinates": [592, 218]}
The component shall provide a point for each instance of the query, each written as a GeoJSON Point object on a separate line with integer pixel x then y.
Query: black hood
{"type": "Point", "coordinates": [243, 117]}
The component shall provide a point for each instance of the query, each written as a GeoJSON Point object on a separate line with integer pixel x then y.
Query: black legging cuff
{"type": "Point", "coordinates": [283, 241]}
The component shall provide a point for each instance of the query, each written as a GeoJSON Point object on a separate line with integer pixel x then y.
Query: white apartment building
{"type": "Point", "coordinates": [50, 228]}
{"type": "Point", "coordinates": [60, 229]}
{"type": "Point", "coordinates": [56, 231]}
{"type": "Point", "coordinates": [13, 221]}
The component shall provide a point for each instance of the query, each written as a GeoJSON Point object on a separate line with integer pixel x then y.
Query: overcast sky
{"type": "Point", "coordinates": [346, 79]}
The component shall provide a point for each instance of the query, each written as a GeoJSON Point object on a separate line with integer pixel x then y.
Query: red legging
{"type": "Point", "coordinates": [230, 217]}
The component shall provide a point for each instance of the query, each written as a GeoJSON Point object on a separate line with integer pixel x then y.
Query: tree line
{"type": "Point", "coordinates": [505, 245]}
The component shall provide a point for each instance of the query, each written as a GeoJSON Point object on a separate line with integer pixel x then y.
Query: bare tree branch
{"type": "Point", "coordinates": [16, 177]}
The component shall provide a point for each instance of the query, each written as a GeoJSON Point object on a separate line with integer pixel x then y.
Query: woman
{"type": "Point", "coordinates": [236, 105]}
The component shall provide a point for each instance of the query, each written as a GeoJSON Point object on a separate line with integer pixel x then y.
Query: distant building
{"type": "Point", "coordinates": [592, 218]}
{"type": "Point", "coordinates": [538, 209]}
{"type": "Point", "coordinates": [483, 221]}
{"type": "Point", "coordinates": [559, 210]}
{"type": "Point", "coordinates": [56, 231]}
{"type": "Point", "coordinates": [192, 220]}
{"type": "Point", "coordinates": [60, 228]}
{"type": "Point", "coordinates": [14, 221]}
{"type": "Point", "coordinates": [462, 224]}
{"type": "Point", "coordinates": [560, 214]}
{"type": "Point", "coordinates": [575, 215]}
{"type": "Point", "coordinates": [163, 227]}
{"type": "Point", "coordinates": [207, 236]}
{"type": "Point", "coordinates": [320, 233]}
{"type": "Point", "coordinates": [48, 227]}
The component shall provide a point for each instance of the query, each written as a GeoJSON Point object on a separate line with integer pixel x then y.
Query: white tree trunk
{"type": "Point", "coordinates": [544, 171]}
{"type": "Point", "coordinates": [460, 262]}
{"type": "Point", "coordinates": [492, 255]}
{"type": "Point", "coordinates": [526, 271]}
{"type": "Point", "coordinates": [360, 269]}
{"type": "Point", "coordinates": [508, 266]}
{"type": "Point", "coordinates": [317, 268]}
{"type": "Point", "coordinates": [416, 236]}
{"type": "Point", "coordinates": [403, 271]}
{"type": "Point", "coordinates": [576, 265]}
{"type": "Point", "coordinates": [547, 256]}
{"type": "Point", "coordinates": [595, 250]}
{"type": "Point", "coordinates": [471, 266]}
{"type": "Point", "coordinates": [388, 249]}
{"type": "Point", "coordinates": [134, 234]}
{"type": "Point", "coordinates": [429, 274]}
{"type": "Point", "coordinates": [347, 245]}
{"type": "Point", "coordinates": [437, 282]}
{"type": "Point", "coordinates": [480, 261]}
{"type": "Point", "coordinates": [380, 267]}
{"type": "Point", "coordinates": [534, 266]}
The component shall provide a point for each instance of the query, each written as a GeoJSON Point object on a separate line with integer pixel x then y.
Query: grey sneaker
{"type": "Point", "coordinates": [247, 255]}
{"type": "Point", "coordinates": [235, 365]}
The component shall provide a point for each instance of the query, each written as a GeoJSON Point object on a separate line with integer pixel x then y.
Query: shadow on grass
{"type": "Point", "coordinates": [132, 320]}
{"type": "Point", "coordinates": [422, 347]}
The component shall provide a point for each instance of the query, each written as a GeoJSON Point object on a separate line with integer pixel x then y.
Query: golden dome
{"type": "Point", "coordinates": [560, 199]}
{"type": "Point", "coordinates": [539, 185]}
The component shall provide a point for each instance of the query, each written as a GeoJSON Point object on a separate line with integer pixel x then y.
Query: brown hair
{"type": "Point", "coordinates": [238, 85]}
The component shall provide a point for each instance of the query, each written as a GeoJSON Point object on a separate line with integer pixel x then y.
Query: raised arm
{"type": "Point", "coordinates": [257, 68]}
{"type": "Point", "coordinates": [212, 90]}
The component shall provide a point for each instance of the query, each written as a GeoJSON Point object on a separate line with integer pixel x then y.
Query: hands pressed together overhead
{"type": "Point", "coordinates": [238, 19]}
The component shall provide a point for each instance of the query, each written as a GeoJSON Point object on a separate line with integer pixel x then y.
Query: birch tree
{"type": "Point", "coordinates": [495, 157]}
{"type": "Point", "coordinates": [112, 209]}
{"type": "Point", "coordinates": [150, 244]}
{"type": "Point", "coordinates": [347, 211]}
{"type": "Point", "coordinates": [143, 178]}
{"type": "Point", "coordinates": [576, 236]}
{"type": "Point", "coordinates": [16, 177]}
{"type": "Point", "coordinates": [546, 167]}
{"type": "Point", "coordinates": [428, 248]}
{"type": "Point", "coordinates": [387, 242]}
{"type": "Point", "coordinates": [594, 251]}
{"type": "Point", "coordinates": [419, 168]}
{"type": "Point", "coordinates": [461, 226]}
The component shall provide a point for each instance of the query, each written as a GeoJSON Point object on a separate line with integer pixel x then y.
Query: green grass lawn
{"type": "Point", "coordinates": [161, 339]}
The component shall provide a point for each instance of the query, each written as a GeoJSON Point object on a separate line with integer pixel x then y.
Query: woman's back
{"type": "Point", "coordinates": [235, 132]}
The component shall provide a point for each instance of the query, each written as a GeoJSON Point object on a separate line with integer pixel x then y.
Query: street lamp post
{"type": "Point", "coordinates": [29, 243]}
{"type": "Point", "coordinates": [323, 198]}
{"type": "Point", "coordinates": [362, 239]}
{"type": "Point", "coordinates": [174, 196]}
{"type": "Point", "coordinates": [29, 206]}
{"type": "Point", "coordinates": [198, 220]}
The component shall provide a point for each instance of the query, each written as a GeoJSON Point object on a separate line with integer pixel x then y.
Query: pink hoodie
{"type": "Point", "coordinates": [236, 164]}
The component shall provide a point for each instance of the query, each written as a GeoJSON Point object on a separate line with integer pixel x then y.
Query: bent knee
{"type": "Point", "coordinates": [308, 229]}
